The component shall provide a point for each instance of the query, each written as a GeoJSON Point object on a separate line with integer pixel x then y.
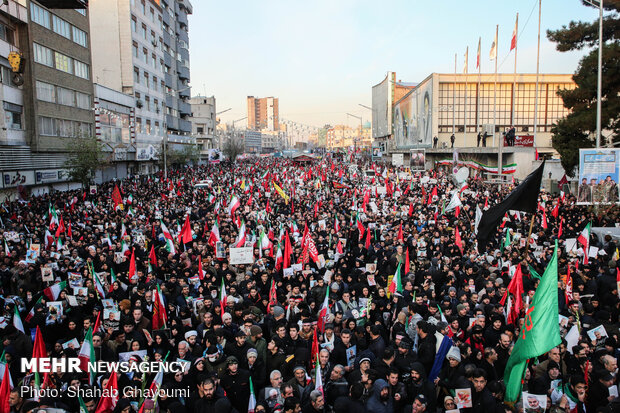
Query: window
{"type": "Point", "coordinates": [148, 127]}
{"type": "Point", "coordinates": [147, 99]}
{"type": "Point", "coordinates": [136, 75]}
{"type": "Point", "coordinates": [139, 124]}
{"type": "Point", "coordinates": [143, 6]}
{"type": "Point", "coordinates": [65, 96]}
{"type": "Point", "coordinates": [79, 36]}
{"type": "Point", "coordinates": [144, 31]}
{"type": "Point", "coordinates": [146, 79]}
{"type": "Point", "coordinates": [134, 24]}
{"type": "Point", "coordinates": [154, 84]}
{"type": "Point", "coordinates": [45, 92]}
{"type": "Point", "coordinates": [61, 27]}
{"type": "Point", "coordinates": [145, 55]}
{"type": "Point", "coordinates": [7, 34]}
{"type": "Point", "coordinates": [66, 128]}
{"type": "Point", "coordinates": [64, 63]}
{"type": "Point", "coordinates": [152, 15]}
{"type": "Point", "coordinates": [39, 15]}
{"type": "Point", "coordinates": [6, 76]}
{"type": "Point", "coordinates": [153, 61]}
{"type": "Point", "coordinates": [135, 50]}
{"type": "Point", "coordinates": [82, 100]}
{"type": "Point", "coordinates": [47, 126]}
{"type": "Point", "coordinates": [81, 70]}
{"type": "Point", "coordinates": [13, 115]}
{"type": "Point", "coordinates": [86, 129]}
{"type": "Point", "coordinates": [43, 55]}
{"type": "Point", "coordinates": [81, 11]}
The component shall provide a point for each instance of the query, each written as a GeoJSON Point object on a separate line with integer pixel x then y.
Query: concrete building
{"type": "Point", "coordinates": [341, 137]}
{"type": "Point", "coordinates": [114, 127]}
{"type": "Point", "coordinates": [439, 106]}
{"type": "Point", "coordinates": [253, 141]}
{"type": "Point", "coordinates": [263, 113]}
{"type": "Point", "coordinates": [128, 37]}
{"type": "Point", "coordinates": [176, 67]}
{"type": "Point", "coordinates": [204, 122]}
{"type": "Point", "coordinates": [54, 103]}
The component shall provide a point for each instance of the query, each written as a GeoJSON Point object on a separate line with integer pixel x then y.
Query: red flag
{"type": "Point", "coordinates": [287, 251]}
{"type": "Point", "coordinates": [273, 297]}
{"type": "Point", "coordinates": [544, 220]}
{"type": "Point", "coordinates": [410, 209]}
{"type": "Point", "coordinates": [116, 197]}
{"type": "Point", "coordinates": [315, 347]}
{"type": "Point", "coordinates": [201, 273]}
{"type": "Point", "coordinates": [457, 239]}
{"type": "Point", "coordinates": [107, 404]}
{"type": "Point", "coordinates": [186, 232]}
{"type": "Point", "coordinates": [569, 285]}
{"type": "Point", "coordinates": [556, 211]}
{"type": "Point", "coordinates": [61, 227]}
{"type": "Point", "coordinates": [268, 208]}
{"type": "Point", "coordinates": [536, 154]}
{"type": "Point", "coordinates": [5, 391]}
{"type": "Point", "coordinates": [401, 237]}
{"type": "Point", "coordinates": [367, 244]}
{"type": "Point", "coordinates": [486, 202]}
{"type": "Point", "coordinates": [360, 228]}
{"type": "Point", "coordinates": [339, 249]}
{"type": "Point", "coordinates": [153, 256]}
{"type": "Point", "coordinates": [560, 228]}
{"type": "Point", "coordinates": [407, 265]}
{"type": "Point", "coordinates": [432, 194]}
{"type": "Point", "coordinates": [132, 264]}
{"type": "Point", "coordinates": [515, 287]}
{"type": "Point", "coordinates": [513, 40]}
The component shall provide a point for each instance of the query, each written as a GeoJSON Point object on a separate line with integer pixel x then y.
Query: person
{"type": "Point", "coordinates": [435, 141]}
{"type": "Point", "coordinates": [315, 404]}
{"type": "Point", "coordinates": [584, 192]}
{"type": "Point", "coordinates": [452, 139]}
{"type": "Point", "coordinates": [380, 400]}
{"type": "Point", "coordinates": [484, 139]}
{"type": "Point", "coordinates": [478, 139]}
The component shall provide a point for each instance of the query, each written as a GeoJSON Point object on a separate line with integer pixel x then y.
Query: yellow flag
{"type": "Point", "coordinates": [281, 192]}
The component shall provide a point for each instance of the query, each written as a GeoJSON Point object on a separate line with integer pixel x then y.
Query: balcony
{"type": "Point", "coordinates": [166, 36]}
{"type": "Point", "coordinates": [172, 122]}
{"type": "Point", "coordinates": [171, 101]}
{"type": "Point", "coordinates": [166, 17]}
{"type": "Point", "coordinates": [182, 18]}
{"type": "Point", "coordinates": [167, 59]}
{"type": "Point", "coordinates": [170, 81]}
{"type": "Point", "coordinates": [184, 91]}
{"type": "Point", "coordinates": [183, 72]}
{"type": "Point", "coordinates": [183, 36]}
{"type": "Point", "coordinates": [185, 108]}
{"type": "Point", "coordinates": [185, 126]}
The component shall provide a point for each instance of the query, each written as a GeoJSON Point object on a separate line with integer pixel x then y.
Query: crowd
{"type": "Point", "coordinates": [140, 268]}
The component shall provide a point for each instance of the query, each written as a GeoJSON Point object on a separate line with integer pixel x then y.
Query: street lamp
{"type": "Point", "coordinates": [600, 70]}
{"type": "Point", "coordinates": [355, 140]}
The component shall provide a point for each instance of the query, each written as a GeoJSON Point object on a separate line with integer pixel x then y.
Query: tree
{"type": "Point", "coordinates": [86, 157]}
{"type": "Point", "coordinates": [233, 147]}
{"type": "Point", "coordinates": [578, 128]}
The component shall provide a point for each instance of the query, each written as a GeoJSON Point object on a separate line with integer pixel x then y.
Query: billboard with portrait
{"type": "Point", "coordinates": [417, 160]}
{"type": "Point", "coordinates": [413, 117]}
{"type": "Point", "coordinates": [599, 173]}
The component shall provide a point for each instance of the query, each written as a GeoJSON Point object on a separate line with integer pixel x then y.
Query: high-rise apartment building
{"type": "Point", "coordinates": [263, 114]}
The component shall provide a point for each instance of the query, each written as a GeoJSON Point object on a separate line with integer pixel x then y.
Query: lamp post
{"type": "Point", "coordinates": [355, 139]}
{"type": "Point", "coordinates": [599, 81]}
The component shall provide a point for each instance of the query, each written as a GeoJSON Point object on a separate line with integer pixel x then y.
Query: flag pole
{"type": "Point", "coordinates": [478, 90]}
{"type": "Point", "coordinates": [537, 74]}
{"type": "Point", "coordinates": [529, 234]}
{"type": "Point", "coordinates": [495, 86]}
{"type": "Point", "coordinates": [465, 111]}
{"type": "Point", "coordinates": [454, 99]}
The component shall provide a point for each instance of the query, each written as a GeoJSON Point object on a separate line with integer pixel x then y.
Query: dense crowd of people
{"type": "Point", "coordinates": [311, 324]}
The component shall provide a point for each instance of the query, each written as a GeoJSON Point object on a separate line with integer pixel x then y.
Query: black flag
{"type": "Point", "coordinates": [523, 198]}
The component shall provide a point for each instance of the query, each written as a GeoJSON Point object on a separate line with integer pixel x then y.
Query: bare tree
{"type": "Point", "coordinates": [233, 147]}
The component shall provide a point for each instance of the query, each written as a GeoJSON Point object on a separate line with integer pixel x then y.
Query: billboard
{"type": "Point", "coordinates": [382, 108]}
{"type": "Point", "coordinates": [599, 173]}
{"type": "Point", "coordinates": [413, 117]}
{"type": "Point", "coordinates": [417, 160]}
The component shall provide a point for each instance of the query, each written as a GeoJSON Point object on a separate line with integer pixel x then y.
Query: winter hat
{"type": "Point", "coordinates": [454, 353]}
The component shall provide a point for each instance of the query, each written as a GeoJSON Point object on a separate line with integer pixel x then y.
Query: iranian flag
{"type": "Point", "coordinates": [168, 238]}
{"type": "Point", "coordinates": [319, 380]}
{"type": "Point", "coordinates": [360, 227]}
{"type": "Point", "coordinates": [252, 401]}
{"type": "Point", "coordinates": [155, 386]}
{"type": "Point", "coordinates": [336, 225]}
{"type": "Point", "coordinates": [201, 273]}
{"type": "Point", "coordinates": [233, 205]}
{"type": "Point", "coordinates": [159, 310]}
{"type": "Point", "coordinates": [324, 312]}
{"type": "Point", "coordinates": [31, 312]}
{"type": "Point", "coordinates": [53, 291]}
{"type": "Point", "coordinates": [279, 258]}
{"type": "Point", "coordinates": [214, 236]}
{"type": "Point", "coordinates": [107, 404]}
{"type": "Point", "coordinates": [240, 241]}
{"type": "Point", "coordinates": [584, 237]}
{"type": "Point", "coordinates": [223, 296]}
{"type": "Point", "coordinates": [123, 230]}
{"type": "Point", "coordinates": [17, 320]}
{"type": "Point", "coordinates": [87, 354]}
{"type": "Point", "coordinates": [396, 284]}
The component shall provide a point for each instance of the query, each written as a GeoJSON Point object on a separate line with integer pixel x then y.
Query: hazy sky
{"type": "Point", "coordinates": [321, 57]}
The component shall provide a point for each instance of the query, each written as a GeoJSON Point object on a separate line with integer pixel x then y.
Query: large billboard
{"type": "Point", "coordinates": [599, 174]}
{"type": "Point", "coordinates": [382, 108]}
{"type": "Point", "coordinates": [413, 117]}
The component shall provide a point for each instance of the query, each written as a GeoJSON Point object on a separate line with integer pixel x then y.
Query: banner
{"type": "Point", "coordinates": [417, 160]}
{"type": "Point", "coordinates": [244, 255]}
{"type": "Point", "coordinates": [599, 173]}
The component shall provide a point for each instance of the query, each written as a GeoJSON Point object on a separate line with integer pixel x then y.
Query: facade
{"type": "Point", "coordinates": [129, 38]}
{"type": "Point", "coordinates": [203, 122]}
{"type": "Point", "coordinates": [263, 113]}
{"type": "Point", "coordinates": [114, 127]}
{"type": "Point", "coordinates": [341, 136]}
{"type": "Point", "coordinates": [50, 102]}
{"type": "Point", "coordinates": [253, 141]}
{"type": "Point", "coordinates": [176, 67]}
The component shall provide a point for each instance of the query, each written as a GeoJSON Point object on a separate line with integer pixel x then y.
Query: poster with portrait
{"type": "Point", "coordinates": [534, 403]}
{"type": "Point", "coordinates": [417, 160]}
{"type": "Point", "coordinates": [81, 294]}
{"type": "Point", "coordinates": [33, 253]}
{"type": "Point", "coordinates": [597, 333]}
{"type": "Point", "coordinates": [47, 274]}
{"type": "Point", "coordinates": [599, 174]}
{"type": "Point", "coordinates": [111, 318]}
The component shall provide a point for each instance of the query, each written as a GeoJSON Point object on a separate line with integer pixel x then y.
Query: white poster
{"type": "Point", "coordinates": [243, 255]}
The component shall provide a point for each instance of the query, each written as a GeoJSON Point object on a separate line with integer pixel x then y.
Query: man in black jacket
{"type": "Point", "coordinates": [236, 383]}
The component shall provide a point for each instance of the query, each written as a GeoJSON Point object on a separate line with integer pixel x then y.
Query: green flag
{"type": "Point", "coordinates": [541, 330]}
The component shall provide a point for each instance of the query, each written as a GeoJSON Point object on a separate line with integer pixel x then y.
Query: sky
{"type": "Point", "coordinates": [322, 57]}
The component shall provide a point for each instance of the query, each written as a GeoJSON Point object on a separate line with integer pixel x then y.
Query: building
{"type": "Point", "coordinates": [50, 101]}
{"type": "Point", "coordinates": [176, 67]}
{"type": "Point", "coordinates": [263, 114]}
{"type": "Point", "coordinates": [135, 41]}
{"type": "Point", "coordinates": [253, 141]}
{"type": "Point", "coordinates": [114, 127]}
{"type": "Point", "coordinates": [439, 107]}
{"type": "Point", "coordinates": [384, 94]}
{"type": "Point", "coordinates": [341, 137]}
{"type": "Point", "coordinates": [204, 122]}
